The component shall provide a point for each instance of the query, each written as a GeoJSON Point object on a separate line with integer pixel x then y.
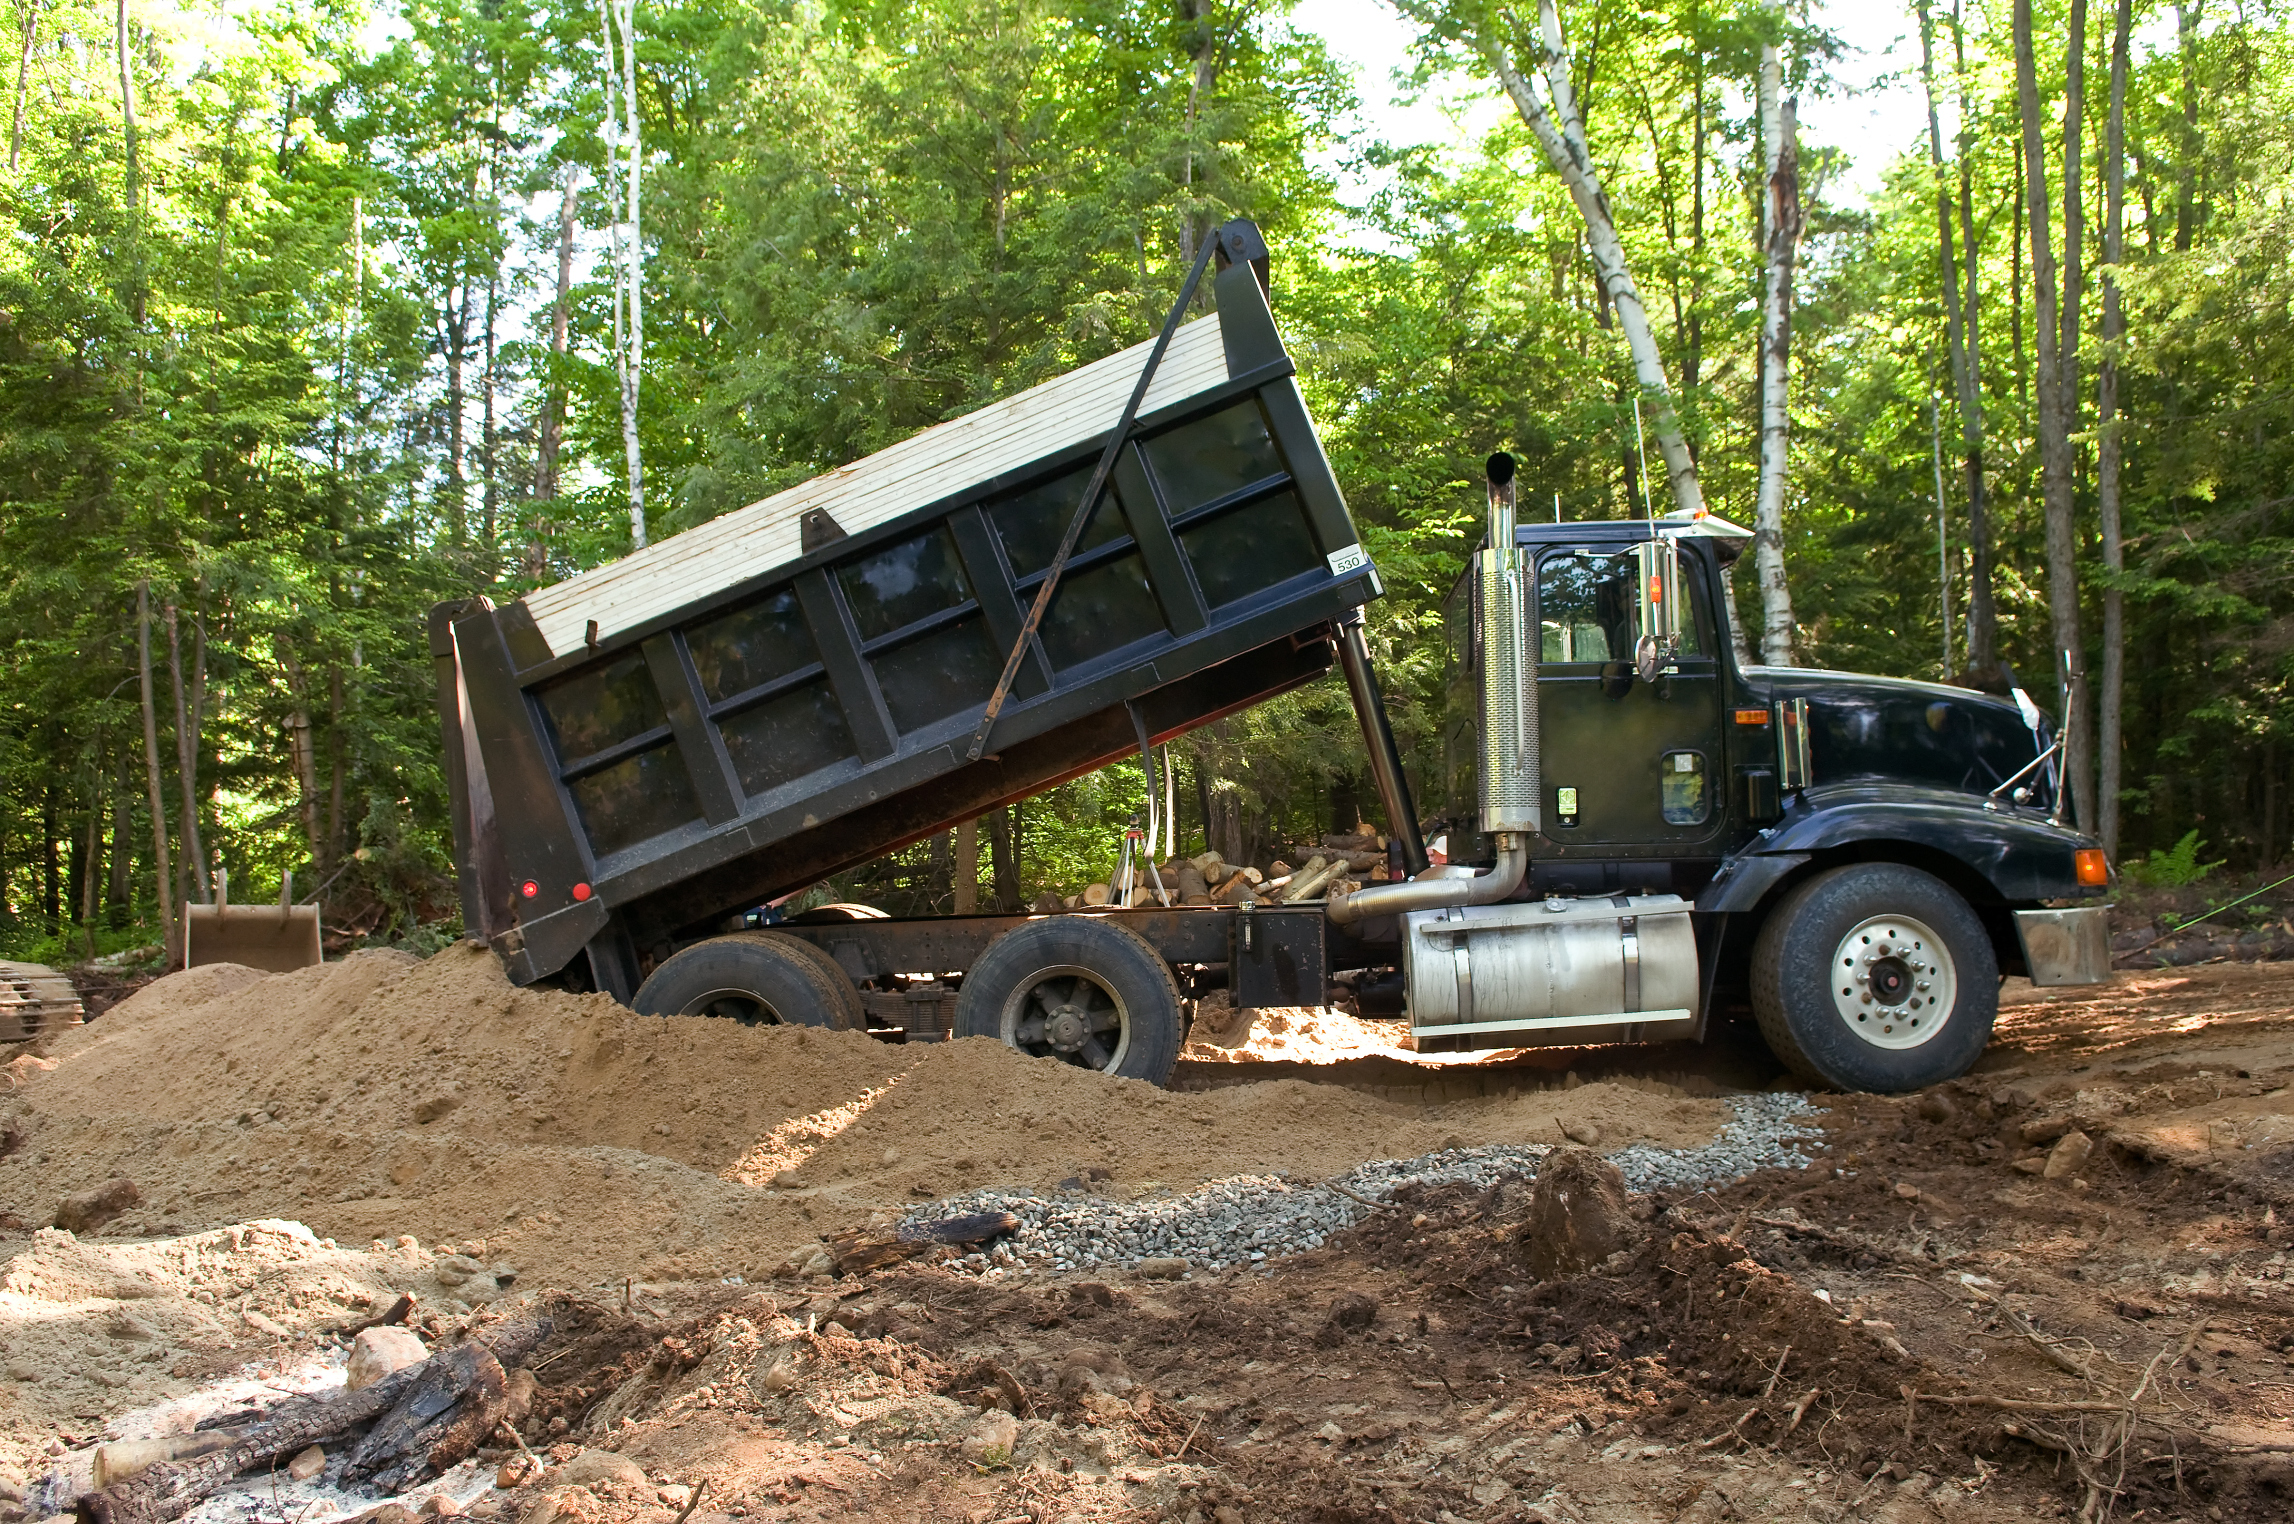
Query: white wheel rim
{"type": "Point", "coordinates": [1068, 1013]}
{"type": "Point", "coordinates": [1893, 982]}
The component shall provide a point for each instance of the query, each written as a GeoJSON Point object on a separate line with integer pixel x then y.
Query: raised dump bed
{"type": "Point", "coordinates": [743, 709]}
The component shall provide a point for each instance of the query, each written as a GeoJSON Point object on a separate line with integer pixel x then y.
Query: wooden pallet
{"type": "Point", "coordinates": [35, 1001]}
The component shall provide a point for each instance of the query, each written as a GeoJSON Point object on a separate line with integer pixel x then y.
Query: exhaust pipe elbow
{"type": "Point", "coordinates": [1438, 893]}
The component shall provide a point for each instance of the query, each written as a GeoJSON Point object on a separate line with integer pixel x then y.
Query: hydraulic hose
{"type": "Point", "coordinates": [1438, 893]}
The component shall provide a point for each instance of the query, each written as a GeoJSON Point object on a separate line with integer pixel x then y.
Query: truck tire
{"type": "Point", "coordinates": [758, 978]}
{"type": "Point", "coordinates": [1080, 989]}
{"type": "Point", "coordinates": [1875, 977]}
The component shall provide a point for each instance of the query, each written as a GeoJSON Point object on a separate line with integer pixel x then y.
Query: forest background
{"type": "Point", "coordinates": [308, 320]}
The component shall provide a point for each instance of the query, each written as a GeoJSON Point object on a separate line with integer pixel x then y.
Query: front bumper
{"type": "Point", "coordinates": [2066, 946]}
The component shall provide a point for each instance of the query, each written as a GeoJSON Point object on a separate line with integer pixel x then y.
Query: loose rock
{"type": "Point", "coordinates": [600, 1468]}
{"type": "Point", "coordinates": [2069, 1155]}
{"type": "Point", "coordinates": [990, 1439]}
{"type": "Point", "coordinates": [85, 1211]}
{"type": "Point", "coordinates": [377, 1352]}
{"type": "Point", "coordinates": [307, 1464]}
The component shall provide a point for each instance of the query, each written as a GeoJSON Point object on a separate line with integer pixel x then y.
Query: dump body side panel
{"type": "Point", "coordinates": [714, 722]}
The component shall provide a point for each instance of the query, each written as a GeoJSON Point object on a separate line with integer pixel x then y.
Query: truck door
{"type": "Point", "coordinates": [1627, 764]}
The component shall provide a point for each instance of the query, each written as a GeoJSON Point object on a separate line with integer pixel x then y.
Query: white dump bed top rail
{"type": "Point", "coordinates": [919, 470]}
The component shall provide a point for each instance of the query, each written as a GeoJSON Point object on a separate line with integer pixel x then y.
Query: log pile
{"type": "Point", "coordinates": [1336, 864]}
{"type": "Point", "coordinates": [35, 1000]}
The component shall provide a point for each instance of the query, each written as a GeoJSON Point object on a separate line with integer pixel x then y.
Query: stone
{"type": "Point", "coordinates": [990, 1439]}
{"type": "Point", "coordinates": [2044, 1129]}
{"type": "Point", "coordinates": [431, 1108]}
{"type": "Point", "coordinates": [377, 1352]}
{"type": "Point", "coordinates": [1907, 1190]}
{"type": "Point", "coordinates": [456, 1269]}
{"type": "Point", "coordinates": [1578, 1214]}
{"type": "Point", "coordinates": [2068, 1155]}
{"type": "Point", "coordinates": [775, 1378]}
{"type": "Point", "coordinates": [517, 1471]}
{"type": "Point", "coordinates": [1161, 1269]}
{"type": "Point", "coordinates": [388, 1513]}
{"type": "Point", "coordinates": [2032, 1165]}
{"type": "Point", "coordinates": [600, 1468]}
{"type": "Point", "coordinates": [1586, 1133]}
{"type": "Point", "coordinates": [439, 1506]}
{"type": "Point", "coordinates": [85, 1211]}
{"type": "Point", "coordinates": [308, 1462]}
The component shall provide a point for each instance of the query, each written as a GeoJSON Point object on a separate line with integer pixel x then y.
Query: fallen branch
{"type": "Point", "coordinates": [425, 1418]}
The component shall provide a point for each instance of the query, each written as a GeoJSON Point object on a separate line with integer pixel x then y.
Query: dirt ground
{"type": "Point", "coordinates": [1929, 1324]}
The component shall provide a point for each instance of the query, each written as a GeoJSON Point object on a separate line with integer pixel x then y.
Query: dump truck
{"type": "Point", "coordinates": [1638, 834]}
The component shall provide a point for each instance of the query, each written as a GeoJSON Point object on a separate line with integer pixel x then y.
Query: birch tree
{"type": "Point", "coordinates": [624, 161]}
{"type": "Point", "coordinates": [2055, 325]}
{"type": "Point", "coordinates": [2109, 447]}
{"type": "Point", "coordinates": [1781, 222]}
{"type": "Point", "coordinates": [1546, 97]}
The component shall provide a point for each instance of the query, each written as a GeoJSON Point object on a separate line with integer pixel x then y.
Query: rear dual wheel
{"type": "Point", "coordinates": [757, 978]}
{"type": "Point", "coordinates": [1875, 977]}
{"type": "Point", "coordinates": [1079, 989]}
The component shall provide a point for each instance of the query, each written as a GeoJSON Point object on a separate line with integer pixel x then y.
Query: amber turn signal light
{"type": "Point", "coordinates": [2093, 867]}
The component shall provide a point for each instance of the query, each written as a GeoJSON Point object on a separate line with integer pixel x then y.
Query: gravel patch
{"type": "Point", "coordinates": [1249, 1219]}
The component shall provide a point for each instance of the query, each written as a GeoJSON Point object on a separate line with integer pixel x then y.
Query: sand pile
{"type": "Point", "coordinates": [383, 1096]}
{"type": "Point", "coordinates": [89, 1328]}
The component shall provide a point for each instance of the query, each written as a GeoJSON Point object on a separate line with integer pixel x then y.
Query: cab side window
{"type": "Point", "coordinates": [1585, 607]}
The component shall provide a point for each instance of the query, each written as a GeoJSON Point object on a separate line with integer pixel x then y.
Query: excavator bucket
{"type": "Point", "coordinates": [276, 938]}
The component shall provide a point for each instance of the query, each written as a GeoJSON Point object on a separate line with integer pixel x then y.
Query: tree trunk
{"type": "Point", "coordinates": [457, 316]}
{"type": "Point", "coordinates": [1959, 329]}
{"type": "Point", "coordinates": [490, 504]}
{"type": "Point", "coordinates": [2054, 415]}
{"type": "Point", "coordinates": [118, 911]}
{"type": "Point", "coordinates": [1561, 133]}
{"type": "Point", "coordinates": [194, 862]}
{"type": "Point", "coordinates": [967, 868]}
{"type": "Point", "coordinates": [1982, 603]}
{"type": "Point", "coordinates": [553, 429]}
{"type": "Point", "coordinates": [91, 860]}
{"type": "Point", "coordinates": [624, 148]}
{"type": "Point", "coordinates": [28, 19]}
{"type": "Point", "coordinates": [2074, 212]}
{"type": "Point", "coordinates": [1780, 223]}
{"type": "Point", "coordinates": [2186, 179]}
{"type": "Point", "coordinates": [305, 749]}
{"type": "Point", "coordinates": [134, 182]}
{"type": "Point", "coordinates": [2109, 447]}
{"type": "Point", "coordinates": [51, 871]}
{"type": "Point", "coordinates": [161, 869]}
{"type": "Point", "coordinates": [334, 838]}
{"type": "Point", "coordinates": [1003, 859]}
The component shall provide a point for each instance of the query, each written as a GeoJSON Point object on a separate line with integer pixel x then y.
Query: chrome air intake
{"type": "Point", "coordinates": [1510, 790]}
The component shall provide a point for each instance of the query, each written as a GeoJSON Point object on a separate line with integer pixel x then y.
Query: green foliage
{"type": "Point", "coordinates": [2177, 867]}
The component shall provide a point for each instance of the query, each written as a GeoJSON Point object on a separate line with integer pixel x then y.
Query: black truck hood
{"type": "Point", "coordinates": [1895, 730]}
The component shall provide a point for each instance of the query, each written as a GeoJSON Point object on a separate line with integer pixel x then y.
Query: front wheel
{"type": "Point", "coordinates": [1078, 989]}
{"type": "Point", "coordinates": [1875, 977]}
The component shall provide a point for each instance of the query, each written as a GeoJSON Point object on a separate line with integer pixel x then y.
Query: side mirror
{"type": "Point", "coordinates": [1660, 607]}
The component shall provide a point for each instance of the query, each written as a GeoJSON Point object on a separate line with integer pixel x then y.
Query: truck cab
{"type": "Point", "coordinates": [1910, 828]}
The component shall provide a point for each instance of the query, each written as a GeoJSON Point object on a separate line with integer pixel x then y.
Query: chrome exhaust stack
{"type": "Point", "coordinates": [1511, 795]}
